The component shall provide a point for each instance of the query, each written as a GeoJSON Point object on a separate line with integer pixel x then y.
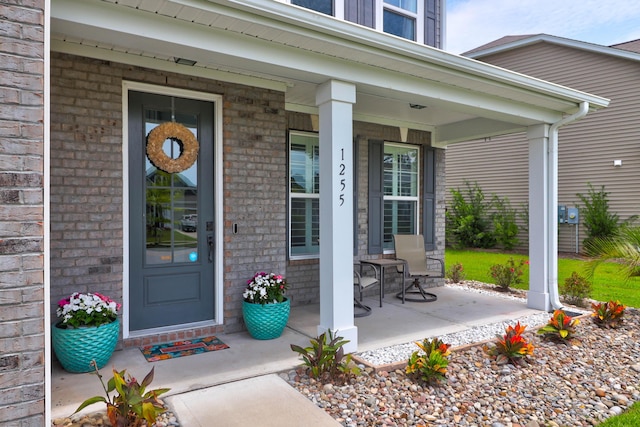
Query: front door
{"type": "Point", "coordinates": [171, 270]}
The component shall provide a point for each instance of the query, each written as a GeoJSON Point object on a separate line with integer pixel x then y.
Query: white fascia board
{"type": "Point", "coordinates": [576, 44]}
{"type": "Point", "coordinates": [473, 129]}
{"type": "Point", "coordinates": [162, 65]}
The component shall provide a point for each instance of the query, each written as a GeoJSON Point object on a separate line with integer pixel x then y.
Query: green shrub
{"type": "Point", "coordinates": [598, 221]}
{"type": "Point", "coordinates": [325, 358]}
{"type": "Point", "coordinates": [505, 229]}
{"type": "Point", "coordinates": [509, 274]}
{"type": "Point", "coordinates": [576, 289]}
{"type": "Point", "coordinates": [468, 223]}
{"type": "Point", "coordinates": [455, 273]}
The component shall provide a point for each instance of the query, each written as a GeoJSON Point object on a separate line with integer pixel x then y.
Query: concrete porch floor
{"type": "Point", "coordinates": [190, 377]}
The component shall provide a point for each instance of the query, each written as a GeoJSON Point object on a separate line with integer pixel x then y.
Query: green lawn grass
{"type": "Point", "coordinates": [630, 418]}
{"type": "Point", "coordinates": [607, 283]}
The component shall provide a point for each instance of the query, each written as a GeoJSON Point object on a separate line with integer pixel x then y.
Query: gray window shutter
{"type": "Point", "coordinates": [430, 23]}
{"type": "Point", "coordinates": [355, 196]}
{"type": "Point", "coordinates": [429, 199]}
{"type": "Point", "coordinates": [360, 11]}
{"type": "Point", "coordinates": [376, 197]}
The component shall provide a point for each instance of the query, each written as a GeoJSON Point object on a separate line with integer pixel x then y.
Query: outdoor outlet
{"type": "Point", "coordinates": [617, 163]}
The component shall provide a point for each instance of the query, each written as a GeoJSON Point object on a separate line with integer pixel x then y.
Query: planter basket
{"type": "Point", "coordinates": [266, 322]}
{"type": "Point", "coordinates": [76, 348]}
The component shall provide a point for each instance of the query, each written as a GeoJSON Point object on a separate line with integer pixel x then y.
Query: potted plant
{"type": "Point", "coordinates": [87, 330]}
{"type": "Point", "coordinates": [264, 307]}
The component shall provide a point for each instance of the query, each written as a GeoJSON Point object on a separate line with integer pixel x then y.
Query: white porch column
{"type": "Point", "coordinates": [334, 100]}
{"type": "Point", "coordinates": [541, 239]}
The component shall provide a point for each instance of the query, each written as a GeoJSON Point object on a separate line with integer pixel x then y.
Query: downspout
{"type": "Point", "coordinates": [553, 202]}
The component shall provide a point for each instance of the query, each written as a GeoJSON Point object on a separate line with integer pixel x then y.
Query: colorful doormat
{"type": "Point", "coordinates": [153, 353]}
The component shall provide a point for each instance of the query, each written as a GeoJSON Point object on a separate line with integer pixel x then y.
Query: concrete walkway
{"type": "Point", "coordinates": [262, 401]}
{"type": "Point", "coordinates": [237, 386]}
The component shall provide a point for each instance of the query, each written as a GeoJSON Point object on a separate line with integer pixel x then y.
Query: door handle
{"type": "Point", "coordinates": [210, 246]}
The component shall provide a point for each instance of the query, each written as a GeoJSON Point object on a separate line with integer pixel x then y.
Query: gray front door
{"type": "Point", "coordinates": [171, 263]}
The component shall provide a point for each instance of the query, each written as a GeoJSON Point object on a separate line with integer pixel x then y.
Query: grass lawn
{"type": "Point", "coordinates": [630, 418]}
{"type": "Point", "coordinates": [607, 284]}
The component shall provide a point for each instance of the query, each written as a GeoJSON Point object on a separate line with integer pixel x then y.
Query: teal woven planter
{"type": "Point", "coordinates": [76, 348]}
{"type": "Point", "coordinates": [266, 322]}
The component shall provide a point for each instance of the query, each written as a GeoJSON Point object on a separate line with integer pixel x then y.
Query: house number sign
{"type": "Point", "coordinates": [342, 177]}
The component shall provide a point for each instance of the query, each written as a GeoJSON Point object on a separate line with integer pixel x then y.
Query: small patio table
{"type": "Point", "coordinates": [382, 263]}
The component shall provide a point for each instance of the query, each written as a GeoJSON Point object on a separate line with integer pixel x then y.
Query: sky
{"type": "Point", "coordinates": [472, 23]}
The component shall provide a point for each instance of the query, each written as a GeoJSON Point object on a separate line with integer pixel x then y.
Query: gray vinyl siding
{"type": "Point", "coordinates": [586, 149]}
{"type": "Point", "coordinates": [499, 166]}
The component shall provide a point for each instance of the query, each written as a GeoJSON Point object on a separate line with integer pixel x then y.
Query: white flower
{"type": "Point", "coordinates": [87, 310]}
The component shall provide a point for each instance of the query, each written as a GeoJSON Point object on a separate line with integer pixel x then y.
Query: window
{"type": "Point", "coordinates": [322, 6]}
{"type": "Point", "coordinates": [400, 181]}
{"type": "Point", "coordinates": [402, 194]}
{"type": "Point", "coordinates": [400, 18]}
{"type": "Point", "coordinates": [304, 194]}
{"type": "Point", "coordinates": [415, 20]}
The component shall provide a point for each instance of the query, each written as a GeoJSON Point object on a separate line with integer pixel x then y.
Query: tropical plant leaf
{"type": "Point", "coordinates": [90, 401]}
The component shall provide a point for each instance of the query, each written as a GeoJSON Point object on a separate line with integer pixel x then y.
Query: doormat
{"type": "Point", "coordinates": [171, 350]}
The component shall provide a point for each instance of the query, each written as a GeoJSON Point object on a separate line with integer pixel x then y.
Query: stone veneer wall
{"type": "Point", "coordinates": [22, 323]}
{"type": "Point", "coordinates": [87, 177]}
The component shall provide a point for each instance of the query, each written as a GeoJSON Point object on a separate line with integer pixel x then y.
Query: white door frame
{"type": "Point", "coordinates": [217, 195]}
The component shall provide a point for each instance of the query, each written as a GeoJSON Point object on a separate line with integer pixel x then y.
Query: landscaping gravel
{"type": "Point", "coordinates": [581, 383]}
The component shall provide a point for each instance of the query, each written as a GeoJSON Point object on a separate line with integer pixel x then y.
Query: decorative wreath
{"type": "Point", "coordinates": [182, 136]}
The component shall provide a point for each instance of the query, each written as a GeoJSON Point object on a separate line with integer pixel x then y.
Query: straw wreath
{"type": "Point", "coordinates": [181, 135]}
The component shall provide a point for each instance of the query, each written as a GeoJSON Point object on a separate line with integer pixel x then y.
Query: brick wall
{"type": "Point", "coordinates": [87, 179]}
{"type": "Point", "coordinates": [303, 275]}
{"type": "Point", "coordinates": [21, 214]}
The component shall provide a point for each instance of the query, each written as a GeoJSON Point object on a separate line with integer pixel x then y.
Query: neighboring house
{"type": "Point", "coordinates": [601, 149]}
{"type": "Point", "coordinates": [310, 128]}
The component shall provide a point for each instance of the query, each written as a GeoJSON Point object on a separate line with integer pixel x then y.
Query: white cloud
{"type": "Point", "coordinates": [472, 23]}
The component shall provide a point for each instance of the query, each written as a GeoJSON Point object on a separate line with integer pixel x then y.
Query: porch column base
{"type": "Point", "coordinates": [539, 301]}
{"type": "Point", "coordinates": [349, 333]}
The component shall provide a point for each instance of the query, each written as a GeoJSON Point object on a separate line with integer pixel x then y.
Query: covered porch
{"type": "Point", "coordinates": [336, 74]}
{"type": "Point", "coordinates": [392, 324]}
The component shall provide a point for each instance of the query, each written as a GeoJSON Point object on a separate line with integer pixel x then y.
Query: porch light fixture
{"type": "Point", "coordinates": [183, 61]}
{"type": "Point", "coordinates": [417, 106]}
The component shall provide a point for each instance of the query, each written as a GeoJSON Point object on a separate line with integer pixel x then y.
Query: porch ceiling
{"type": "Point", "coordinates": [270, 44]}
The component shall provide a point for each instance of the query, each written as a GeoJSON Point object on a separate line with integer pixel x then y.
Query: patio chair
{"type": "Point", "coordinates": [410, 249]}
{"type": "Point", "coordinates": [364, 276]}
